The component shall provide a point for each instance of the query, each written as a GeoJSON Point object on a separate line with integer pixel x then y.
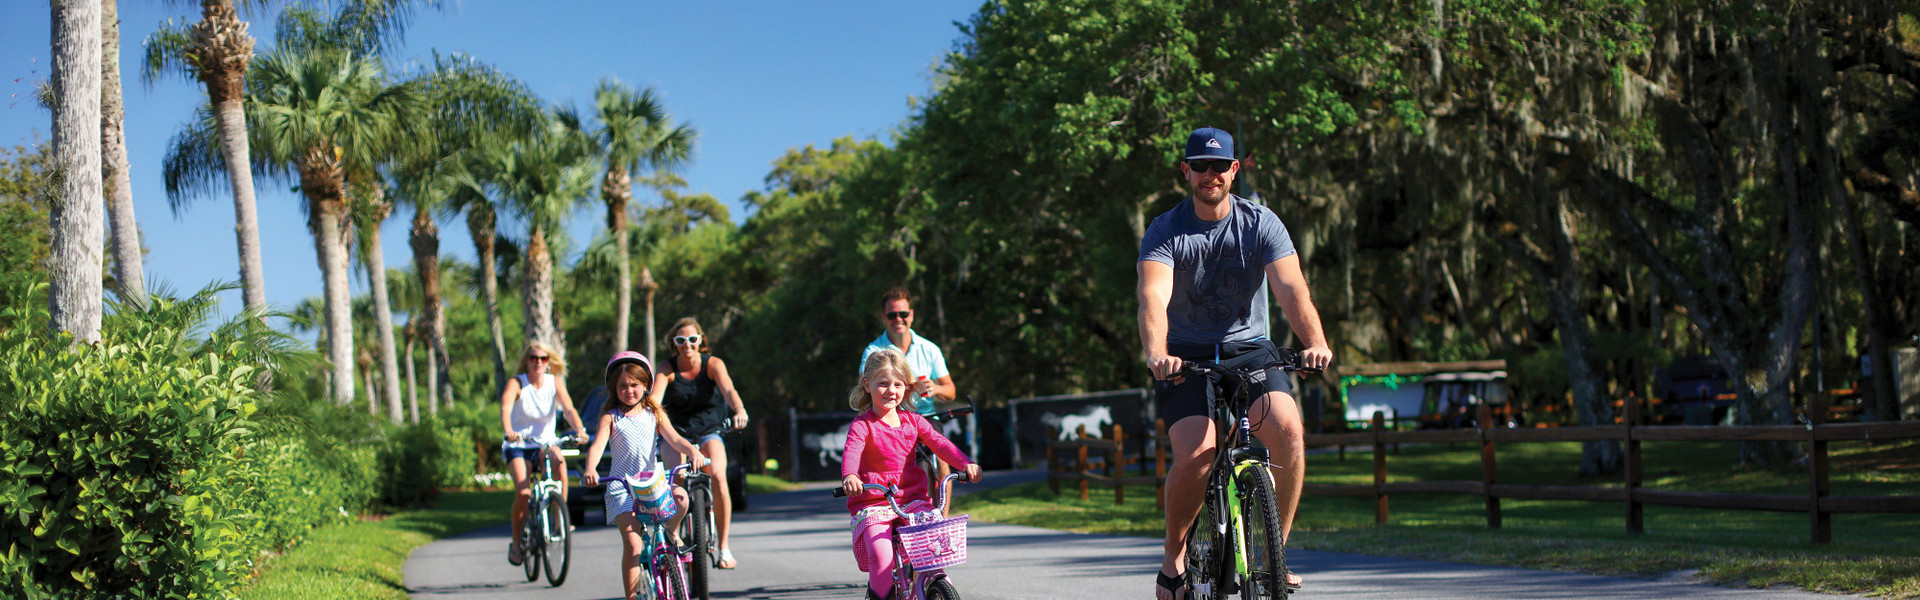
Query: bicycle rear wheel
{"type": "Point", "coordinates": [1205, 554]}
{"type": "Point", "coordinates": [697, 531]}
{"type": "Point", "coordinates": [1266, 553]}
{"type": "Point", "coordinates": [530, 541]}
{"type": "Point", "coordinates": [558, 546]}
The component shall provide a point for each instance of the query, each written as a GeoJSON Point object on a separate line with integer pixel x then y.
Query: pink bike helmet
{"type": "Point", "coordinates": [626, 357]}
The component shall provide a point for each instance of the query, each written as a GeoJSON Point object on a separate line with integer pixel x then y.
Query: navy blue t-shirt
{"type": "Point", "coordinates": [1219, 270]}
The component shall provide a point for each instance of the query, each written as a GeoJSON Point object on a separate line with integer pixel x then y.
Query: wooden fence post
{"type": "Point", "coordinates": [1817, 472]}
{"type": "Point", "coordinates": [1160, 442]}
{"type": "Point", "coordinates": [1117, 468]}
{"type": "Point", "coordinates": [1379, 469]}
{"type": "Point", "coordinates": [1083, 461]}
{"type": "Point", "coordinates": [1636, 514]}
{"type": "Point", "coordinates": [1489, 470]}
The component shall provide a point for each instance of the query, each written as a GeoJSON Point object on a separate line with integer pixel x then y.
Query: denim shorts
{"type": "Point", "coordinates": [508, 453]}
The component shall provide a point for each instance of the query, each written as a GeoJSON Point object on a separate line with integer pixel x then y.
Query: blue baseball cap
{"type": "Point", "coordinates": [1208, 142]}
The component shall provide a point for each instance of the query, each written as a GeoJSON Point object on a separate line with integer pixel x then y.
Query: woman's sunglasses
{"type": "Point", "coordinates": [539, 357]}
{"type": "Point", "coordinates": [1204, 165]}
{"type": "Point", "coordinates": [686, 340]}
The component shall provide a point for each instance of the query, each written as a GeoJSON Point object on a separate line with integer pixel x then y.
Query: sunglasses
{"type": "Point", "coordinates": [539, 357]}
{"type": "Point", "coordinates": [1205, 165]}
{"type": "Point", "coordinates": [897, 315]}
{"type": "Point", "coordinates": [686, 340]}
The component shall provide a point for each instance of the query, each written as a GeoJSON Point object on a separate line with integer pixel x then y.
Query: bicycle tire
{"type": "Point", "coordinates": [672, 582]}
{"type": "Point", "coordinates": [1266, 553]}
{"type": "Point", "coordinates": [697, 530]}
{"type": "Point", "coordinates": [1206, 556]}
{"type": "Point", "coordinates": [558, 541]}
{"type": "Point", "coordinates": [941, 589]}
{"type": "Point", "coordinates": [530, 540]}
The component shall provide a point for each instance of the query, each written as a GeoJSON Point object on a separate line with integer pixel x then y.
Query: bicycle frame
{"type": "Point", "coordinates": [1235, 453]}
{"type": "Point", "coordinates": [656, 553]}
{"type": "Point", "coordinates": [909, 583]}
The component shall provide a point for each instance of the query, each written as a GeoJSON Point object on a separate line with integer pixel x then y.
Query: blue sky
{"type": "Point", "coordinates": [754, 78]}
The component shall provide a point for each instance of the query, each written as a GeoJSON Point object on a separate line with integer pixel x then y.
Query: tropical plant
{"type": "Point", "coordinates": [216, 50]}
{"type": "Point", "coordinates": [543, 178]}
{"type": "Point", "coordinates": [634, 134]}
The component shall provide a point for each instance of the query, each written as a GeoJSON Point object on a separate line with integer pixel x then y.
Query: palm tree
{"type": "Point", "coordinates": [217, 50]}
{"type": "Point", "coordinates": [127, 261]}
{"type": "Point", "coordinates": [472, 199]}
{"type": "Point", "coordinates": [470, 100]}
{"type": "Point", "coordinates": [319, 115]}
{"type": "Point", "coordinates": [634, 133]}
{"type": "Point", "coordinates": [370, 210]}
{"type": "Point", "coordinates": [74, 296]}
{"type": "Point", "coordinates": [543, 178]}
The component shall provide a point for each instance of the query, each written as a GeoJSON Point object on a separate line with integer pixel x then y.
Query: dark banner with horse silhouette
{"type": "Point", "coordinates": [819, 439]}
{"type": "Point", "coordinates": [1037, 421]}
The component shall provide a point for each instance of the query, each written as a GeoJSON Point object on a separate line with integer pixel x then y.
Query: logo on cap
{"type": "Point", "coordinates": [1213, 143]}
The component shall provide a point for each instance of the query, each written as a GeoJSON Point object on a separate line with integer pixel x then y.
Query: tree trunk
{"type": "Point", "coordinates": [375, 257]}
{"type": "Point", "coordinates": [373, 396]}
{"type": "Point", "coordinates": [413, 390]}
{"type": "Point", "coordinates": [1565, 290]}
{"type": "Point", "coordinates": [480, 225]}
{"type": "Point", "coordinates": [617, 188]}
{"type": "Point", "coordinates": [647, 287]}
{"type": "Point", "coordinates": [128, 270]}
{"type": "Point", "coordinates": [536, 297]}
{"type": "Point", "coordinates": [221, 51]}
{"type": "Point", "coordinates": [74, 296]}
{"type": "Point", "coordinates": [424, 238]}
{"type": "Point", "coordinates": [327, 224]}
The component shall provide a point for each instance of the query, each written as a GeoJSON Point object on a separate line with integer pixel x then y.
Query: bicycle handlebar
{"type": "Point", "coordinates": [571, 438]}
{"type": "Point", "coordinates": [893, 491]}
{"type": "Point", "coordinates": [954, 412]}
{"type": "Point", "coordinates": [1289, 361]}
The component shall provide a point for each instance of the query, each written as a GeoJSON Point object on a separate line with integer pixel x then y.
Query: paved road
{"type": "Point", "coordinates": [794, 546]}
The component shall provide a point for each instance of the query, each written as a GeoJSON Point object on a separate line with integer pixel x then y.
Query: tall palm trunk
{"type": "Point", "coordinates": [221, 51]}
{"type": "Point", "coordinates": [425, 240]}
{"type": "Point", "coordinates": [376, 259]}
{"type": "Point", "coordinates": [74, 296]}
{"type": "Point", "coordinates": [617, 188]}
{"type": "Point", "coordinates": [321, 181]}
{"type": "Point", "coordinates": [480, 222]}
{"type": "Point", "coordinates": [647, 287]}
{"type": "Point", "coordinates": [127, 267]}
{"type": "Point", "coordinates": [413, 390]}
{"type": "Point", "coordinates": [536, 297]}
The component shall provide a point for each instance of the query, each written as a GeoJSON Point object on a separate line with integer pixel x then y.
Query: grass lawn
{"type": "Point", "coordinates": [363, 559]}
{"type": "Point", "coordinates": [1871, 554]}
{"type": "Point", "coordinates": [766, 484]}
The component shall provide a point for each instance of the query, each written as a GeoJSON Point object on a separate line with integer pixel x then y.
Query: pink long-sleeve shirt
{"type": "Point", "coordinates": [883, 454]}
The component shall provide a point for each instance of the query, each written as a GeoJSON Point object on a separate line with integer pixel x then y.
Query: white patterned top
{"type": "Point", "coordinates": [633, 443]}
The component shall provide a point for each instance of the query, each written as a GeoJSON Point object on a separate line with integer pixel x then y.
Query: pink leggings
{"type": "Point", "coordinates": [878, 541]}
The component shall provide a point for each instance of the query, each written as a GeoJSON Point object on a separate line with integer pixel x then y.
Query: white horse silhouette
{"type": "Point", "coordinates": [828, 445]}
{"type": "Point", "coordinates": [1093, 418]}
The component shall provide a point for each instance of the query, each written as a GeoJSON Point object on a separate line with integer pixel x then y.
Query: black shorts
{"type": "Point", "coordinates": [1195, 396]}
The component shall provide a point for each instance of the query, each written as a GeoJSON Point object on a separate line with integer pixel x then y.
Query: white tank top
{"type": "Point", "coordinates": [534, 413]}
{"type": "Point", "coordinates": [634, 436]}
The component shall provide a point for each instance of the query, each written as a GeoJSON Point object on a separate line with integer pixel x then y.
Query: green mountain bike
{"type": "Point", "coordinates": [1234, 546]}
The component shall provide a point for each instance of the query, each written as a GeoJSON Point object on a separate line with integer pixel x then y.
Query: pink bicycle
{"type": "Point", "coordinates": [925, 546]}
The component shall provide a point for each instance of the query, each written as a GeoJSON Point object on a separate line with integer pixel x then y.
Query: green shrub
{"type": "Point", "coordinates": [420, 460]}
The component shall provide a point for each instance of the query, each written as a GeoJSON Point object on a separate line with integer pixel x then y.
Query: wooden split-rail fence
{"type": "Point", "coordinates": [1076, 460]}
{"type": "Point", "coordinates": [1818, 502]}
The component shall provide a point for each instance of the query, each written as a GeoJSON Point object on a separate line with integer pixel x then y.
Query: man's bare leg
{"type": "Point", "coordinates": [1276, 422]}
{"type": "Point", "coordinates": [1192, 441]}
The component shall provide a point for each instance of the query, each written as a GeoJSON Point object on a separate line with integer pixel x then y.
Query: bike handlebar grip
{"type": "Point", "coordinates": [839, 492]}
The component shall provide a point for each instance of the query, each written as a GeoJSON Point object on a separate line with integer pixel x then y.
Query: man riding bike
{"type": "Point", "coordinates": [1202, 269]}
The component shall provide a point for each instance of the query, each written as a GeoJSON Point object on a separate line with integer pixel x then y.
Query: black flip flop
{"type": "Point", "coordinates": [1172, 584]}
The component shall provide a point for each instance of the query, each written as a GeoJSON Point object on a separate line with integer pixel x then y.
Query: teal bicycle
{"type": "Point", "coordinates": [1234, 546]}
{"type": "Point", "coordinates": [666, 565]}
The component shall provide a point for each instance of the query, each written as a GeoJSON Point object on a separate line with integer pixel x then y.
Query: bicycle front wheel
{"type": "Point", "coordinates": [531, 540]}
{"type": "Point", "coordinates": [941, 589]}
{"type": "Point", "coordinates": [558, 550]}
{"type": "Point", "coordinates": [1266, 564]}
{"type": "Point", "coordinates": [670, 582]}
{"type": "Point", "coordinates": [697, 530]}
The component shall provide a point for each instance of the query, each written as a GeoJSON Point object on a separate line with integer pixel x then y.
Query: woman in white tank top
{"type": "Point", "coordinates": [528, 409]}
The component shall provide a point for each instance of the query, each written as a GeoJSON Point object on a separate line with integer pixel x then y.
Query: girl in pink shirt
{"type": "Point", "coordinates": [880, 450]}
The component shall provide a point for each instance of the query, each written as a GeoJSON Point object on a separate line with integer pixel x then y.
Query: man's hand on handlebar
{"type": "Point", "coordinates": [1316, 358]}
{"type": "Point", "coordinates": [1164, 366]}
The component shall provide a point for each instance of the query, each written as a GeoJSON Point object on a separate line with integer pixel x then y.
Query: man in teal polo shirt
{"type": "Point", "coordinates": [928, 363]}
